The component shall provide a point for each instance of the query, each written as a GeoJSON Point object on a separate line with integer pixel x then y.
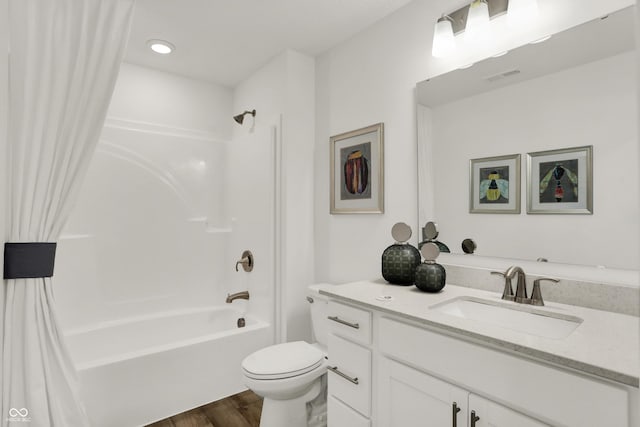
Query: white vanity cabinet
{"type": "Point", "coordinates": [350, 373]}
{"type": "Point", "coordinates": [421, 366]}
{"type": "Point", "coordinates": [411, 398]}
{"type": "Point", "coordinates": [417, 366]}
{"type": "Point", "coordinates": [388, 370]}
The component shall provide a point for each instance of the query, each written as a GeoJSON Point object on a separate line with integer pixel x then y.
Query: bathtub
{"type": "Point", "coordinates": [139, 370]}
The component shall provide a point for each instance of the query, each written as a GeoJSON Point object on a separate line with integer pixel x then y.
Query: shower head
{"type": "Point", "coordinates": [240, 117]}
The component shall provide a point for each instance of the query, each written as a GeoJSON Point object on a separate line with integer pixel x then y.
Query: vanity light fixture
{"type": "Point", "coordinates": [162, 47]}
{"type": "Point", "coordinates": [469, 19]}
{"type": "Point", "coordinates": [473, 21]}
{"type": "Point", "coordinates": [444, 42]}
{"type": "Point", "coordinates": [477, 28]}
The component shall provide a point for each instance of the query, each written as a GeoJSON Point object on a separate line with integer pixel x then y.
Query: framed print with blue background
{"type": "Point", "coordinates": [494, 185]}
{"type": "Point", "coordinates": [560, 181]}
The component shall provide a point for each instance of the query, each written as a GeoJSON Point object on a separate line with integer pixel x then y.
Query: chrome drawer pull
{"type": "Point", "coordinates": [344, 322]}
{"type": "Point", "coordinates": [335, 370]}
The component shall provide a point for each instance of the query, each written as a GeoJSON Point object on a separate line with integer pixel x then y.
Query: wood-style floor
{"type": "Point", "coordinates": [240, 410]}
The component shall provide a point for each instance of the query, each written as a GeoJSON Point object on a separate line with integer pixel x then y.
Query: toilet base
{"type": "Point", "coordinates": [290, 412]}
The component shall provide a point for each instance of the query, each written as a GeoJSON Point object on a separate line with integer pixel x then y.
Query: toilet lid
{"type": "Point", "coordinates": [282, 360]}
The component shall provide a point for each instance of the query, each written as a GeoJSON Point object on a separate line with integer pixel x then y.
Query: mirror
{"type": "Point", "coordinates": [576, 89]}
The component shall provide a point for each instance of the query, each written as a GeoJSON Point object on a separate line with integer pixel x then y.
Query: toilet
{"type": "Point", "coordinates": [289, 375]}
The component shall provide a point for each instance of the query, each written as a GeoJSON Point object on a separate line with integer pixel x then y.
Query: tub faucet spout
{"type": "Point", "coordinates": [237, 295]}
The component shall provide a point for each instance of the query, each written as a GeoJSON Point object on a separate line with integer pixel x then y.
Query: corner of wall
{"type": "Point", "coordinates": [298, 151]}
{"type": "Point", "coordinates": [286, 86]}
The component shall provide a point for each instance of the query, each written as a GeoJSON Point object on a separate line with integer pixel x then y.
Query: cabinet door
{"type": "Point", "coordinates": [410, 398]}
{"type": "Point", "coordinates": [341, 415]}
{"type": "Point", "coordinates": [490, 414]}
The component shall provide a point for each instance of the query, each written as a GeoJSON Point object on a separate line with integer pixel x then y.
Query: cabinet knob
{"type": "Point", "coordinates": [474, 418]}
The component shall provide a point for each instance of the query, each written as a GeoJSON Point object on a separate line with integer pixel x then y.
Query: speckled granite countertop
{"type": "Point", "coordinates": [605, 344]}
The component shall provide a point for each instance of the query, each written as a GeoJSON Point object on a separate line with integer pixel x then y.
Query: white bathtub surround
{"type": "Point", "coordinates": [161, 364]}
{"type": "Point", "coordinates": [165, 256]}
{"type": "Point", "coordinates": [64, 62]}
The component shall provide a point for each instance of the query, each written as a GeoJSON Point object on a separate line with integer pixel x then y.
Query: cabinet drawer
{"type": "Point", "coordinates": [350, 374]}
{"type": "Point", "coordinates": [350, 322]}
{"type": "Point", "coordinates": [340, 415]}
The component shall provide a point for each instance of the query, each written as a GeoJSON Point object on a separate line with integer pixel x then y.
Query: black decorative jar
{"type": "Point", "coordinates": [399, 261]}
{"type": "Point", "coordinates": [430, 234]}
{"type": "Point", "coordinates": [430, 276]}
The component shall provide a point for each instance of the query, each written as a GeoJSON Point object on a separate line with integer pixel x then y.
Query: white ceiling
{"type": "Point", "coordinates": [225, 41]}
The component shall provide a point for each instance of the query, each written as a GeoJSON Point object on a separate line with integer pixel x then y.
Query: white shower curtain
{"type": "Point", "coordinates": [63, 63]}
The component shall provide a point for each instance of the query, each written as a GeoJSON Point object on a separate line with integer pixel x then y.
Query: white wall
{"type": "Point", "coordinates": [371, 78]}
{"type": "Point", "coordinates": [593, 104]}
{"type": "Point", "coordinates": [283, 88]}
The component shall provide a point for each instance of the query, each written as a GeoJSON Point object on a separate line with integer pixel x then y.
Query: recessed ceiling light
{"type": "Point", "coordinates": [162, 47]}
{"type": "Point", "coordinates": [498, 55]}
{"type": "Point", "coordinates": [464, 67]}
{"type": "Point", "coordinates": [544, 39]}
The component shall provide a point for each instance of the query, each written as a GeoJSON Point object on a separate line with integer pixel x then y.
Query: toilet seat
{"type": "Point", "coordinates": [283, 361]}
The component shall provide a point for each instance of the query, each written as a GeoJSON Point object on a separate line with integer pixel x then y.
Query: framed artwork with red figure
{"type": "Point", "coordinates": [560, 181]}
{"type": "Point", "coordinates": [357, 171]}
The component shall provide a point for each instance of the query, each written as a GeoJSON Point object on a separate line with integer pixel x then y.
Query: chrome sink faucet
{"type": "Point", "coordinates": [521, 287]}
{"type": "Point", "coordinates": [521, 284]}
{"type": "Point", "coordinates": [237, 295]}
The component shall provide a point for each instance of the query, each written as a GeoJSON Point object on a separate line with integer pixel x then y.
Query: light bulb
{"type": "Point", "coordinates": [444, 42]}
{"type": "Point", "coordinates": [522, 13]}
{"type": "Point", "coordinates": [477, 27]}
{"type": "Point", "coordinates": [160, 46]}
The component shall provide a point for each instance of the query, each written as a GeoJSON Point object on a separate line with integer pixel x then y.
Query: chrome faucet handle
{"type": "Point", "coordinates": [507, 293]}
{"type": "Point", "coordinates": [536, 294]}
{"type": "Point", "coordinates": [246, 261]}
{"type": "Point", "coordinates": [243, 261]}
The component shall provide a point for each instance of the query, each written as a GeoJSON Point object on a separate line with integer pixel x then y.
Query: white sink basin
{"type": "Point", "coordinates": [511, 315]}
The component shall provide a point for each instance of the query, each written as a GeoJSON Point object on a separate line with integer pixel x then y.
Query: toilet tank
{"type": "Point", "coordinates": [318, 307]}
